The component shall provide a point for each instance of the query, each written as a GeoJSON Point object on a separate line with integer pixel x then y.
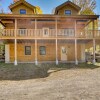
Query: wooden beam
{"type": "Point", "coordinates": [7, 22]}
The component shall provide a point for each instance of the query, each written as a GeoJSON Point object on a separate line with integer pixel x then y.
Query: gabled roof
{"type": "Point", "coordinates": [65, 4]}
{"type": "Point", "coordinates": [21, 2]}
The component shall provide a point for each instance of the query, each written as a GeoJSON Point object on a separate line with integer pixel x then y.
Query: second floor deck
{"type": "Point", "coordinates": [47, 33]}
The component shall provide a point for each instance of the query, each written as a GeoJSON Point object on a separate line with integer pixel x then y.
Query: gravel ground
{"type": "Point", "coordinates": [68, 84]}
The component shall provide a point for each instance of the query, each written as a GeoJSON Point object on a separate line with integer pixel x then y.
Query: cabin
{"type": "Point", "coordinates": [62, 37]}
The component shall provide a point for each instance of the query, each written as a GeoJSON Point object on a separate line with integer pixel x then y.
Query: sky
{"type": "Point", "coordinates": [46, 5]}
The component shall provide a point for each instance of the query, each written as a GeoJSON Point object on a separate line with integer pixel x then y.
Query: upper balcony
{"type": "Point", "coordinates": [46, 33]}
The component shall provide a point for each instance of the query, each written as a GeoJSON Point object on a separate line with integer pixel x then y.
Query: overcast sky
{"type": "Point", "coordinates": [46, 5]}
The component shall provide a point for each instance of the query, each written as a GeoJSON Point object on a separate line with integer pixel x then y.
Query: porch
{"type": "Point", "coordinates": [50, 51]}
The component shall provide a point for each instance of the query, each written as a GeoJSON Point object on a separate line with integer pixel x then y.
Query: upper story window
{"type": "Point", "coordinates": [22, 31]}
{"type": "Point", "coordinates": [67, 12]}
{"type": "Point", "coordinates": [45, 31]}
{"type": "Point", "coordinates": [22, 11]}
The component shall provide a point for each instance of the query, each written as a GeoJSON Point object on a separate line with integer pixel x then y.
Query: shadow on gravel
{"type": "Point", "coordinates": [30, 71]}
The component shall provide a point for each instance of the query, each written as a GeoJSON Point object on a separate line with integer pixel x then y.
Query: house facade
{"type": "Point", "coordinates": [32, 37]}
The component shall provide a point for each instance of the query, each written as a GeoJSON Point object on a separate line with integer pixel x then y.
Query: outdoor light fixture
{"type": "Point", "coordinates": [81, 33]}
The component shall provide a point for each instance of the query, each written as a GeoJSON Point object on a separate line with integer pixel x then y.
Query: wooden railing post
{"type": "Point", "coordinates": [56, 27]}
{"type": "Point", "coordinates": [75, 34]}
{"type": "Point", "coordinates": [35, 27]}
{"type": "Point", "coordinates": [93, 28]}
{"type": "Point", "coordinates": [15, 28]}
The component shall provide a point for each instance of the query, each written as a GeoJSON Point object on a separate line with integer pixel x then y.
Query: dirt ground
{"type": "Point", "coordinates": [66, 84]}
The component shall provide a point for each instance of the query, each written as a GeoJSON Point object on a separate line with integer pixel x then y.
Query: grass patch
{"type": "Point", "coordinates": [30, 71]}
{"type": "Point", "coordinates": [87, 66]}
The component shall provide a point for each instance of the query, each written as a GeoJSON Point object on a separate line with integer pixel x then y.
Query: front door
{"type": "Point", "coordinates": [63, 54]}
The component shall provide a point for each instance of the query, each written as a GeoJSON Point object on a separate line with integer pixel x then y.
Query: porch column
{"type": "Point", "coordinates": [15, 62]}
{"type": "Point", "coordinates": [94, 45]}
{"type": "Point", "coordinates": [36, 62]}
{"type": "Point", "coordinates": [76, 61]}
{"type": "Point", "coordinates": [56, 52]}
{"type": "Point", "coordinates": [56, 44]}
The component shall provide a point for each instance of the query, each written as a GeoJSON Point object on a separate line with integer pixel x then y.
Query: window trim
{"type": "Point", "coordinates": [25, 51]}
{"type": "Point", "coordinates": [44, 31]}
{"type": "Point", "coordinates": [22, 9]}
{"type": "Point", "coordinates": [68, 10]}
{"type": "Point", "coordinates": [40, 51]}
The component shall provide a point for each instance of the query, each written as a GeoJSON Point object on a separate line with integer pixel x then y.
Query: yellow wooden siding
{"type": "Point", "coordinates": [73, 10]}
{"type": "Point", "coordinates": [16, 10]}
{"type": "Point", "coordinates": [50, 52]}
{"type": "Point", "coordinates": [21, 53]}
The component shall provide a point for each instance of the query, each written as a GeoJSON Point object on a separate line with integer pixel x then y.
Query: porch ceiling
{"type": "Point", "coordinates": [51, 41]}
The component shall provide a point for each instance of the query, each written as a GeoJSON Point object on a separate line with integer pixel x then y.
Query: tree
{"type": "Point", "coordinates": [15, 0]}
{"type": "Point", "coordinates": [87, 6]}
{"type": "Point", "coordinates": [38, 10]}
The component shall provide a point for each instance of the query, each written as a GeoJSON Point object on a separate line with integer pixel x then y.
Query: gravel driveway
{"type": "Point", "coordinates": [70, 84]}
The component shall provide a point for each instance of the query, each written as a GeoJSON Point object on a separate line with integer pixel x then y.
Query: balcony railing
{"type": "Point", "coordinates": [48, 33]}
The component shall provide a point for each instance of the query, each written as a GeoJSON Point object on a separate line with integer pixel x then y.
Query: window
{"type": "Point", "coordinates": [27, 50]}
{"type": "Point", "coordinates": [45, 32]}
{"type": "Point", "coordinates": [42, 50]}
{"type": "Point", "coordinates": [67, 12]}
{"type": "Point", "coordinates": [69, 32]}
{"type": "Point", "coordinates": [22, 11]}
{"type": "Point", "coordinates": [22, 31]}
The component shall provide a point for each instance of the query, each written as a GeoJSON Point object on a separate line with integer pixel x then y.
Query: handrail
{"type": "Point", "coordinates": [51, 33]}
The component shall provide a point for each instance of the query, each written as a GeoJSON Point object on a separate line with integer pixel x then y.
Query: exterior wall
{"type": "Point", "coordinates": [21, 53]}
{"type": "Point", "coordinates": [16, 10]}
{"type": "Point", "coordinates": [25, 23]}
{"type": "Point", "coordinates": [68, 7]}
{"type": "Point", "coordinates": [7, 53]}
{"type": "Point", "coordinates": [50, 52]}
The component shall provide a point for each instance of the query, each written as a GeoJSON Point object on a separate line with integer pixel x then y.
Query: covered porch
{"type": "Point", "coordinates": [50, 51]}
